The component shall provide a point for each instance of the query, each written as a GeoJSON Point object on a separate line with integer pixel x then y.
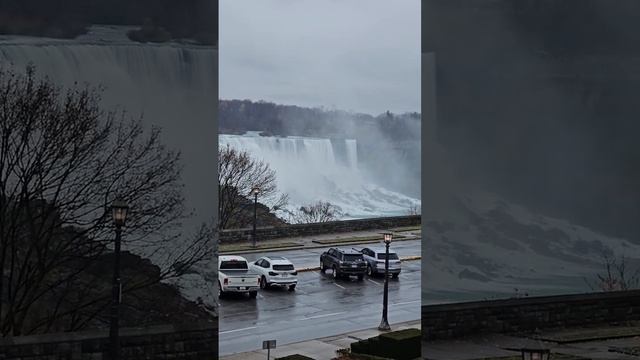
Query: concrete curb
{"type": "Point", "coordinates": [317, 246]}
{"type": "Point", "coordinates": [316, 268]}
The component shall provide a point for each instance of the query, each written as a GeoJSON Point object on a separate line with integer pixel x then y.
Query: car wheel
{"type": "Point", "coordinates": [263, 282]}
{"type": "Point", "coordinates": [395, 276]}
{"type": "Point", "coordinates": [322, 268]}
{"type": "Point", "coordinates": [220, 292]}
{"type": "Point", "coordinates": [360, 277]}
{"type": "Point", "coordinates": [369, 270]}
{"type": "Point", "coordinates": [335, 272]}
{"type": "Point", "coordinates": [253, 294]}
{"type": "Point", "coordinates": [292, 287]}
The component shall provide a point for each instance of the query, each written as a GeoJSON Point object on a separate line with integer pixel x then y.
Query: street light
{"type": "Point", "coordinates": [535, 354]}
{"type": "Point", "coordinates": [119, 210]}
{"type": "Point", "coordinates": [255, 191]}
{"type": "Point", "coordinates": [384, 324]}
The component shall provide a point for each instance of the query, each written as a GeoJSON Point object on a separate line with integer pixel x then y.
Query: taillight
{"type": "Point", "coordinates": [272, 273]}
{"type": "Point", "coordinates": [294, 273]}
{"type": "Point", "coordinates": [226, 281]}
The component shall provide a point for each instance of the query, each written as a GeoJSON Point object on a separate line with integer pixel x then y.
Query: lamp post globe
{"type": "Point", "coordinates": [119, 210]}
{"type": "Point", "coordinates": [384, 323]}
{"type": "Point", "coordinates": [387, 237]}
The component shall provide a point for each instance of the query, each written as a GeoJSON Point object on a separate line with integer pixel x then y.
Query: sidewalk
{"type": "Point", "coordinates": [320, 241]}
{"type": "Point", "coordinates": [583, 345]}
{"type": "Point", "coordinates": [319, 349]}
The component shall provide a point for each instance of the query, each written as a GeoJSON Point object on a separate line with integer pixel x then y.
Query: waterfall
{"type": "Point", "coordinates": [317, 169]}
{"type": "Point", "coordinates": [173, 86]}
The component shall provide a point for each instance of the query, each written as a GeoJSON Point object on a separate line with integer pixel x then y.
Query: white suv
{"type": "Point", "coordinates": [275, 270]}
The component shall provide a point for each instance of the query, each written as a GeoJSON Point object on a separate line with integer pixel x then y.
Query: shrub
{"type": "Point", "coordinates": [401, 345]}
{"type": "Point", "coordinates": [295, 357]}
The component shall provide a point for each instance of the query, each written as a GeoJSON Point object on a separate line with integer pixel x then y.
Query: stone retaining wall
{"type": "Point", "coordinates": [196, 341]}
{"type": "Point", "coordinates": [449, 321]}
{"type": "Point", "coordinates": [267, 233]}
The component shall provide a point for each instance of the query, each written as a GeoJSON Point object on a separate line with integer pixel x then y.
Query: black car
{"type": "Point", "coordinates": [343, 263]}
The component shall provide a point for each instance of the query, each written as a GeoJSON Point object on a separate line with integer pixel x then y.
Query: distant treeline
{"type": "Point", "coordinates": [238, 116]}
{"type": "Point", "coordinates": [179, 19]}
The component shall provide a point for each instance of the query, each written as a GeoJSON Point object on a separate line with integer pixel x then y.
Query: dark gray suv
{"type": "Point", "coordinates": [343, 263]}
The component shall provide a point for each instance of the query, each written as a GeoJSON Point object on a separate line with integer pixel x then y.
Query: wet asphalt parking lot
{"type": "Point", "coordinates": [320, 306]}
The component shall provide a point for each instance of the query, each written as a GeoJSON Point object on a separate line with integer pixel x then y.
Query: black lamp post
{"type": "Point", "coordinates": [255, 191]}
{"type": "Point", "coordinates": [119, 213]}
{"type": "Point", "coordinates": [384, 324]}
{"type": "Point", "coordinates": [535, 354]}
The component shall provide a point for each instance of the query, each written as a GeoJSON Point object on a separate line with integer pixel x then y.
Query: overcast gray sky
{"type": "Point", "coordinates": [358, 55]}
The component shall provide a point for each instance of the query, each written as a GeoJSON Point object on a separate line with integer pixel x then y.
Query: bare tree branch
{"type": "Point", "coordinates": [63, 160]}
{"type": "Point", "coordinates": [320, 211]}
{"type": "Point", "coordinates": [615, 276]}
{"type": "Point", "coordinates": [238, 173]}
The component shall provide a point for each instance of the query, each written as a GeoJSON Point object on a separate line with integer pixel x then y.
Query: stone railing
{"type": "Point", "coordinates": [285, 231]}
{"type": "Point", "coordinates": [448, 321]}
{"type": "Point", "coordinates": [196, 341]}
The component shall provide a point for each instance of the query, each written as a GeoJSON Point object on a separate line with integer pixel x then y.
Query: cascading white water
{"type": "Point", "coordinates": [173, 86]}
{"type": "Point", "coordinates": [117, 66]}
{"type": "Point", "coordinates": [316, 169]}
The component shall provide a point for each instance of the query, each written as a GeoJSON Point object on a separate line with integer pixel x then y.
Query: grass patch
{"type": "Point", "coordinates": [355, 239]}
{"type": "Point", "coordinates": [582, 335]}
{"type": "Point", "coordinates": [407, 228]}
{"type": "Point", "coordinates": [226, 248]}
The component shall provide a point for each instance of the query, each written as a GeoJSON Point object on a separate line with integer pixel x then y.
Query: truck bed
{"type": "Point", "coordinates": [232, 273]}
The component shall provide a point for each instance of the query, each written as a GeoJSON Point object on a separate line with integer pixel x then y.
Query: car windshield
{"type": "Point", "coordinates": [392, 256]}
{"type": "Point", "coordinates": [233, 265]}
{"type": "Point", "coordinates": [283, 267]}
{"type": "Point", "coordinates": [352, 257]}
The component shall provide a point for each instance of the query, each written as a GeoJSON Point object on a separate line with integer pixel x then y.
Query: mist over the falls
{"type": "Point", "coordinates": [482, 244]}
{"type": "Point", "coordinates": [532, 148]}
{"type": "Point", "coordinates": [310, 169]}
{"type": "Point", "coordinates": [171, 86]}
{"type": "Point", "coordinates": [367, 165]}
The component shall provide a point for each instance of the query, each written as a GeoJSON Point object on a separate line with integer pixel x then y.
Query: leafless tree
{"type": "Point", "coordinates": [238, 173]}
{"type": "Point", "coordinates": [321, 211]}
{"type": "Point", "coordinates": [616, 276]}
{"type": "Point", "coordinates": [63, 160]}
{"type": "Point", "coordinates": [414, 210]}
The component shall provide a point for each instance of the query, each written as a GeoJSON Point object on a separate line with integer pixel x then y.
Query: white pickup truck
{"type": "Point", "coordinates": [234, 276]}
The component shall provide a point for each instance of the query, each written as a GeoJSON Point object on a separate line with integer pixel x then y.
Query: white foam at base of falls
{"type": "Point", "coordinates": [317, 169]}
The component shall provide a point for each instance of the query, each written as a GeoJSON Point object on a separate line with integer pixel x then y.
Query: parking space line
{"type": "Point", "coordinates": [375, 282]}
{"type": "Point", "coordinates": [236, 330]}
{"type": "Point", "coordinates": [241, 313]}
{"type": "Point", "coordinates": [324, 315]}
{"type": "Point", "coordinates": [407, 302]}
{"type": "Point", "coordinates": [340, 286]}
